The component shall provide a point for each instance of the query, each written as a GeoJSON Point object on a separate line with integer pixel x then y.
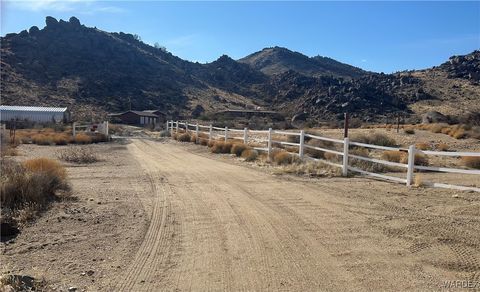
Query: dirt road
{"type": "Point", "coordinates": [218, 226]}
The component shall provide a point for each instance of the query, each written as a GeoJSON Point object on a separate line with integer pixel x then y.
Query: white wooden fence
{"type": "Point", "coordinates": [245, 135]}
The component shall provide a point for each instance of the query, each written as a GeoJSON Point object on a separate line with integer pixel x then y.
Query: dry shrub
{"type": "Point", "coordinates": [82, 138]}
{"type": "Point", "coordinates": [442, 147]}
{"type": "Point", "coordinates": [249, 154]}
{"type": "Point", "coordinates": [459, 134]}
{"type": "Point", "coordinates": [221, 147]}
{"type": "Point", "coordinates": [365, 165]}
{"type": "Point", "coordinates": [174, 136]}
{"type": "Point", "coordinates": [471, 161]}
{"type": "Point", "coordinates": [409, 131]}
{"type": "Point", "coordinates": [98, 137]}
{"type": "Point", "coordinates": [420, 159]}
{"type": "Point", "coordinates": [42, 139]}
{"type": "Point", "coordinates": [203, 142]}
{"type": "Point", "coordinates": [185, 137]}
{"type": "Point", "coordinates": [312, 169]}
{"type": "Point", "coordinates": [331, 156]}
{"type": "Point", "coordinates": [61, 139]}
{"type": "Point", "coordinates": [393, 156]}
{"type": "Point", "coordinates": [293, 139]}
{"type": "Point", "coordinates": [375, 139]}
{"type": "Point", "coordinates": [238, 149]}
{"type": "Point", "coordinates": [438, 128]}
{"type": "Point", "coordinates": [318, 143]}
{"type": "Point", "coordinates": [33, 182]}
{"type": "Point", "coordinates": [423, 146]}
{"type": "Point", "coordinates": [78, 154]}
{"type": "Point", "coordinates": [210, 143]}
{"type": "Point", "coordinates": [283, 157]}
{"type": "Point", "coordinates": [418, 181]}
{"type": "Point", "coordinates": [193, 138]}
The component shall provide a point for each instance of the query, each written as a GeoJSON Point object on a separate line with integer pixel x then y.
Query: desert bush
{"type": "Point", "coordinates": [420, 159]}
{"type": "Point", "coordinates": [283, 157]}
{"type": "Point", "coordinates": [238, 149]}
{"type": "Point", "coordinates": [42, 139]}
{"type": "Point", "coordinates": [78, 154]}
{"type": "Point", "coordinates": [174, 136]}
{"type": "Point", "coordinates": [409, 131]}
{"type": "Point", "coordinates": [293, 139]}
{"type": "Point", "coordinates": [185, 137]}
{"type": "Point", "coordinates": [331, 156]}
{"type": "Point", "coordinates": [193, 138]}
{"type": "Point", "coordinates": [82, 138]}
{"type": "Point", "coordinates": [313, 169]}
{"type": "Point", "coordinates": [317, 143]}
{"type": "Point", "coordinates": [164, 134]}
{"type": "Point", "coordinates": [210, 143]}
{"type": "Point", "coordinates": [458, 134]}
{"type": "Point", "coordinates": [442, 147]}
{"type": "Point", "coordinates": [393, 155]}
{"type": "Point", "coordinates": [437, 128]}
{"type": "Point", "coordinates": [98, 137]}
{"type": "Point", "coordinates": [471, 161]}
{"type": "Point", "coordinates": [249, 154]}
{"type": "Point", "coordinates": [418, 181]}
{"type": "Point", "coordinates": [422, 146]}
{"type": "Point", "coordinates": [203, 142]}
{"type": "Point", "coordinates": [34, 181]}
{"type": "Point", "coordinates": [375, 139]}
{"type": "Point", "coordinates": [60, 139]}
{"type": "Point", "coordinates": [221, 147]}
{"type": "Point", "coordinates": [365, 165]}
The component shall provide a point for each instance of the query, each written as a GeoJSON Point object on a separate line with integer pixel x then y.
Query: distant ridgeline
{"type": "Point", "coordinates": [93, 71]}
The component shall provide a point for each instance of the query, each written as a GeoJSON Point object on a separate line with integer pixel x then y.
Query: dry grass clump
{"type": "Point", "coordinates": [174, 136]}
{"type": "Point", "coordinates": [193, 138]}
{"type": "Point", "coordinates": [394, 156]}
{"type": "Point", "coordinates": [331, 156]}
{"type": "Point", "coordinates": [203, 142]}
{"type": "Point", "coordinates": [98, 137]}
{"type": "Point", "coordinates": [34, 182]}
{"type": "Point", "coordinates": [42, 139]}
{"type": "Point", "coordinates": [249, 154]}
{"type": "Point", "coordinates": [221, 147]}
{"type": "Point", "coordinates": [420, 159]}
{"type": "Point", "coordinates": [238, 149]}
{"type": "Point", "coordinates": [437, 128]}
{"type": "Point", "coordinates": [82, 138]}
{"type": "Point", "coordinates": [312, 169]}
{"type": "Point", "coordinates": [459, 134]}
{"type": "Point", "coordinates": [319, 154]}
{"type": "Point", "coordinates": [471, 161]}
{"type": "Point", "coordinates": [409, 131]}
{"type": "Point", "coordinates": [78, 154]}
{"type": "Point", "coordinates": [442, 147]}
{"type": "Point", "coordinates": [423, 146]}
{"type": "Point", "coordinates": [185, 137]}
{"type": "Point", "coordinates": [282, 157]}
{"type": "Point", "coordinates": [365, 165]}
{"type": "Point", "coordinates": [375, 139]}
{"type": "Point", "coordinates": [418, 181]}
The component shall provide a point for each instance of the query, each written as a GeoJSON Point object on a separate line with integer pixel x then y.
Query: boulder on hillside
{"type": "Point", "coordinates": [75, 21]}
{"type": "Point", "coordinates": [51, 21]}
{"type": "Point", "coordinates": [434, 117]}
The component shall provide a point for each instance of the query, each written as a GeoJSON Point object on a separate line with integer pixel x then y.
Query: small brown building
{"type": "Point", "coordinates": [150, 117]}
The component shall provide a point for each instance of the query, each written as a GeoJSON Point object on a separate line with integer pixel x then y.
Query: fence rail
{"type": "Point", "coordinates": [246, 137]}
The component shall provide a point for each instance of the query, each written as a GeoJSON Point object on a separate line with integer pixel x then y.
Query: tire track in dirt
{"type": "Point", "coordinates": [217, 226]}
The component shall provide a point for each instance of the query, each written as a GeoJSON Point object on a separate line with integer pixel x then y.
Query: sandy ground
{"type": "Point", "coordinates": [175, 218]}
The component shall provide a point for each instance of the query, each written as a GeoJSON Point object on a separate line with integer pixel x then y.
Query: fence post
{"type": "Point", "coordinates": [177, 127]}
{"type": "Point", "coordinates": [210, 130]}
{"type": "Point", "coordinates": [74, 131]}
{"type": "Point", "coordinates": [226, 134]}
{"type": "Point", "coordinates": [411, 164]}
{"type": "Point", "coordinates": [269, 143]}
{"type": "Point", "coordinates": [167, 126]}
{"type": "Point", "coordinates": [245, 135]}
{"type": "Point", "coordinates": [196, 133]}
{"type": "Point", "coordinates": [302, 142]}
{"type": "Point", "coordinates": [171, 127]}
{"type": "Point", "coordinates": [106, 128]}
{"type": "Point", "coordinates": [345, 157]}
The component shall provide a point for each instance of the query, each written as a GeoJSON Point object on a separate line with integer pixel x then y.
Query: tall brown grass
{"type": "Point", "coordinates": [375, 139]}
{"type": "Point", "coordinates": [394, 156]}
{"type": "Point", "coordinates": [238, 149]}
{"type": "Point", "coordinates": [249, 154]}
{"type": "Point", "coordinates": [221, 147]}
{"type": "Point", "coordinates": [185, 137]}
{"type": "Point", "coordinates": [282, 157]}
{"type": "Point", "coordinates": [82, 138]}
{"type": "Point", "coordinates": [34, 182]}
{"type": "Point", "coordinates": [471, 161]}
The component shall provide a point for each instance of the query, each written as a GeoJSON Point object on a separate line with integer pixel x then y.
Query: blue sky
{"type": "Point", "coordinates": [377, 36]}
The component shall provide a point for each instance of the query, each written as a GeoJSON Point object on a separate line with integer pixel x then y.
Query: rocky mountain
{"type": "Point", "coordinates": [94, 72]}
{"type": "Point", "coordinates": [277, 60]}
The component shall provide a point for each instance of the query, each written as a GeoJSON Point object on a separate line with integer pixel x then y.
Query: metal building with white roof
{"type": "Point", "coordinates": [39, 114]}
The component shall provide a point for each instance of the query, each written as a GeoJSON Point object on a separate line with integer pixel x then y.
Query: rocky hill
{"type": "Point", "coordinates": [94, 72]}
{"type": "Point", "coordinates": [278, 60]}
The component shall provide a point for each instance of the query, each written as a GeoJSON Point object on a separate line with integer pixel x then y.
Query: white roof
{"type": "Point", "coordinates": [32, 108]}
